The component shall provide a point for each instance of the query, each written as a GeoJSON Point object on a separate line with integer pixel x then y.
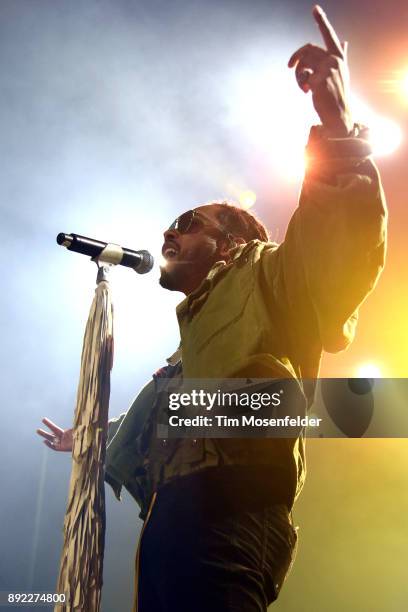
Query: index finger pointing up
{"type": "Point", "coordinates": [330, 37]}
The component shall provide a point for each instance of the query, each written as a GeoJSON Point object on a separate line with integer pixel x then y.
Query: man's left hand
{"type": "Point", "coordinates": [325, 73]}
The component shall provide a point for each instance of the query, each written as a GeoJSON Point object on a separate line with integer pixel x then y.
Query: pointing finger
{"type": "Point", "coordinates": [330, 37]}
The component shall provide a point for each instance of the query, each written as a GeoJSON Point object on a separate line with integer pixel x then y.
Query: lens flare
{"type": "Point", "coordinates": [247, 199]}
{"type": "Point", "coordinates": [265, 106]}
{"type": "Point", "coordinates": [385, 134]}
{"type": "Point", "coordinates": [368, 370]}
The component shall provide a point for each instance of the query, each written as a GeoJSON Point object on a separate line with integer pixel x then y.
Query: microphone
{"type": "Point", "coordinates": [140, 261]}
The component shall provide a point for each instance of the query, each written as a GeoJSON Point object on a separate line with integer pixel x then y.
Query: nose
{"type": "Point", "coordinates": [171, 234]}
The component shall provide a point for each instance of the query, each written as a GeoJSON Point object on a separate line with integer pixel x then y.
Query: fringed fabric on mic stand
{"type": "Point", "coordinates": [81, 565]}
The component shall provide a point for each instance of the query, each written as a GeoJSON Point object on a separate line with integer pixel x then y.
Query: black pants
{"type": "Point", "coordinates": [204, 551]}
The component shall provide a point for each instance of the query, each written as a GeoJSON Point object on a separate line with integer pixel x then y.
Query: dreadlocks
{"type": "Point", "coordinates": [239, 222]}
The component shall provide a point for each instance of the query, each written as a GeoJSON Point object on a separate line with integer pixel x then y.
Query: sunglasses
{"type": "Point", "coordinates": [193, 221]}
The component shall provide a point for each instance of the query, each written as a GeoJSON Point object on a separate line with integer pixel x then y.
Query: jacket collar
{"type": "Point", "coordinates": [212, 277]}
{"type": "Point", "coordinates": [175, 358]}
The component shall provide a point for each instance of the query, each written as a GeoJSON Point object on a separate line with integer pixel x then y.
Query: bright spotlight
{"type": "Point", "coordinates": [247, 199]}
{"type": "Point", "coordinates": [368, 370]}
{"type": "Point", "coordinates": [267, 106]}
{"type": "Point", "coordinates": [274, 115]}
{"type": "Point", "coordinates": [385, 134]}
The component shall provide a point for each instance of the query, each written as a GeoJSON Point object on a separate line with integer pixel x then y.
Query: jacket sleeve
{"type": "Point", "coordinates": [334, 248]}
{"type": "Point", "coordinates": [113, 426]}
{"type": "Point", "coordinates": [122, 457]}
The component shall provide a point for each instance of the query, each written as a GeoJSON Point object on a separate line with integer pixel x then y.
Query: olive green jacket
{"type": "Point", "coordinates": [270, 312]}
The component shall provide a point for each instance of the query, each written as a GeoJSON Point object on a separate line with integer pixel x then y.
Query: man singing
{"type": "Point", "coordinates": [218, 534]}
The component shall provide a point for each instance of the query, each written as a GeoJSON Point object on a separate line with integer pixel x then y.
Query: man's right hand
{"type": "Point", "coordinates": [59, 439]}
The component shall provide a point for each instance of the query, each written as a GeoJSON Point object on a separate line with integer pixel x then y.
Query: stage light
{"type": "Point", "coordinates": [266, 105]}
{"type": "Point", "coordinates": [368, 370]}
{"type": "Point", "coordinates": [247, 199]}
{"type": "Point", "coordinates": [385, 134]}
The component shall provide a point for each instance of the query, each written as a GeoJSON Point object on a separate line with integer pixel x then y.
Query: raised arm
{"type": "Point", "coordinates": [334, 248]}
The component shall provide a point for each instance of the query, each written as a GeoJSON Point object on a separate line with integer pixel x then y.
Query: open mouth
{"type": "Point", "coordinates": [170, 252]}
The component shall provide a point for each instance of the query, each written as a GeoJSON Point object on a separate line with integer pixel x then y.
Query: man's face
{"type": "Point", "coordinates": [190, 256]}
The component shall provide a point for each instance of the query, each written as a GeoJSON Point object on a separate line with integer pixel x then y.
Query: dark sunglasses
{"type": "Point", "coordinates": [193, 221]}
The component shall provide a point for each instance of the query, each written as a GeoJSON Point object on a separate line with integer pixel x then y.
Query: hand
{"type": "Point", "coordinates": [325, 73]}
{"type": "Point", "coordinates": [59, 439]}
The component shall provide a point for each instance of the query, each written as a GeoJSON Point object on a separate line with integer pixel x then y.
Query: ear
{"type": "Point", "coordinates": [230, 242]}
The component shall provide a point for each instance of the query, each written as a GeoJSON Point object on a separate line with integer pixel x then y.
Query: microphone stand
{"type": "Point", "coordinates": [81, 564]}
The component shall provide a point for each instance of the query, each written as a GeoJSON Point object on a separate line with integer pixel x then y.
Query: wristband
{"type": "Point", "coordinates": [356, 145]}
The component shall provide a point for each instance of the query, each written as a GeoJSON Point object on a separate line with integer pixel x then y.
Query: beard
{"type": "Point", "coordinates": [174, 275]}
{"type": "Point", "coordinates": [170, 278]}
{"type": "Point", "coordinates": [178, 275]}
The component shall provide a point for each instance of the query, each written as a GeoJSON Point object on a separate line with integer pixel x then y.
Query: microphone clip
{"type": "Point", "coordinates": [103, 271]}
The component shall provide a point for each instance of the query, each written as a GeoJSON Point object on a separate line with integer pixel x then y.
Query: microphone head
{"type": "Point", "coordinates": [146, 262]}
{"type": "Point", "coordinates": [64, 239]}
